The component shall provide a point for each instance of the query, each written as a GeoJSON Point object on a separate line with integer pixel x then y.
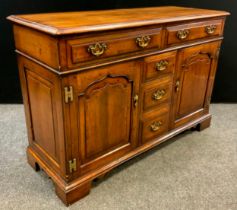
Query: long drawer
{"type": "Point", "coordinates": [96, 48]}
{"type": "Point", "coordinates": [194, 30]}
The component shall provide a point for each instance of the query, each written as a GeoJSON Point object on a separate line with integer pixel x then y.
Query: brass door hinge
{"type": "Point", "coordinates": [68, 94]}
{"type": "Point", "coordinates": [72, 165]}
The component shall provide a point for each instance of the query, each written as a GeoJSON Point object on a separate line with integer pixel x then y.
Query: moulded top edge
{"type": "Point", "coordinates": [91, 21]}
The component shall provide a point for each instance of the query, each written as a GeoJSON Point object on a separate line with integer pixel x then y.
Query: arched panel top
{"type": "Point", "coordinates": [197, 57]}
{"type": "Point", "coordinates": [108, 80]}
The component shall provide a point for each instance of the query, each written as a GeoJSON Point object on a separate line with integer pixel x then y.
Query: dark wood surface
{"type": "Point", "coordinates": [93, 101]}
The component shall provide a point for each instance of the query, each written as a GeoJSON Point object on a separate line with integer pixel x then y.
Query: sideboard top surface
{"type": "Point", "coordinates": [90, 21]}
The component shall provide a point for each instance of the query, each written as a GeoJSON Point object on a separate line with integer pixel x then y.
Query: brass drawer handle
{"type": "Point", "coordinates": [162, 65]}
{"type": "Point", "coordinates": [143, 41]}
{"type": "Point", "coordinates": [155, 126]}
{"type": "Point", "coordinates": [210, 29]}
{"type": "Point", "coordinates": [97, 49]}
{"type": "Point", "coordinates": [183, 34]}
{"type": "Point", "coordinates": [159, 94]}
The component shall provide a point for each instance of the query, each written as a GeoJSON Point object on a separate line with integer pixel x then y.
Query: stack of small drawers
{"type": "Point", "coordinates": [156, 94]}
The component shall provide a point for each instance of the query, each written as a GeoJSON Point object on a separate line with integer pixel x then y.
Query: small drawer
{"type": "Point", "coordinates": [159, 65]}
{"type": "Point", "coordinates": [98, 47]}
{"type": "Point", "coordinates": [194, 30]}
{"type": "Point", "coordinates": [154, 126]}
{"type": "Point", "coordinates": [157, 92]}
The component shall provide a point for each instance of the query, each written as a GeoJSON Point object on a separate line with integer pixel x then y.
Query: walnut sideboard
{"type": "Point", "coordinates": [100, 87]}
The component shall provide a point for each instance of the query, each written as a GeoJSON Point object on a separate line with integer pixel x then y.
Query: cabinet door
{"type": "Point", "coordinates": [104, 114]}
{"type": "Point", "coordinates": [193, 82]}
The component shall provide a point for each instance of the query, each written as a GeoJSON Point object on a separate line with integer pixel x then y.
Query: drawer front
{"type": "Point", "coordinates": [159, 65]}
{"type": "Point", "coordinates": [156, 124]}
{"type": "Point", "coordinates": [195, 30]}
{"type": "Point", "coordinates": [157, 92]}
{"type": "Point", "coordinates": [99, 47]}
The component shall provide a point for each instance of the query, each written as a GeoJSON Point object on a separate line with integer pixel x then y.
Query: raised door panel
{"type": "Point", "coordinates": [41, 113]}
{"type": "Point", "coordinates": [103, 116]}
{"type": "Point", "coordinates": [44, 117]}
{"type": "Point", "coordinates": [195, 68]}
{"type": "Point", "coordinates": [107, 115]}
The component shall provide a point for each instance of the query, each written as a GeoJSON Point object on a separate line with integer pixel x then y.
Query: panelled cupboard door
{"type": "Point", "coordinates": [103, 114]}
{"type": "Point", "coordinates": [193, 82]}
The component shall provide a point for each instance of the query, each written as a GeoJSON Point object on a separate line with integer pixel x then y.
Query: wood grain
{"type": "Point", "coordinates": [197, 30]}
{"type": "Point", "coordinates": [150, 68]}
{"type": "Point", "coordinates": [101, 95]}
{"type": "Point", "coordinates": [118, 43]}
{"type": "Point", "coordinates": [151, 88]}
{"type": "Point", "coordinates": [193, 72]}
{"type": "Point", "coordinates": [91, 21]}
{"type": "Point", "coordinates": [37, 45]}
